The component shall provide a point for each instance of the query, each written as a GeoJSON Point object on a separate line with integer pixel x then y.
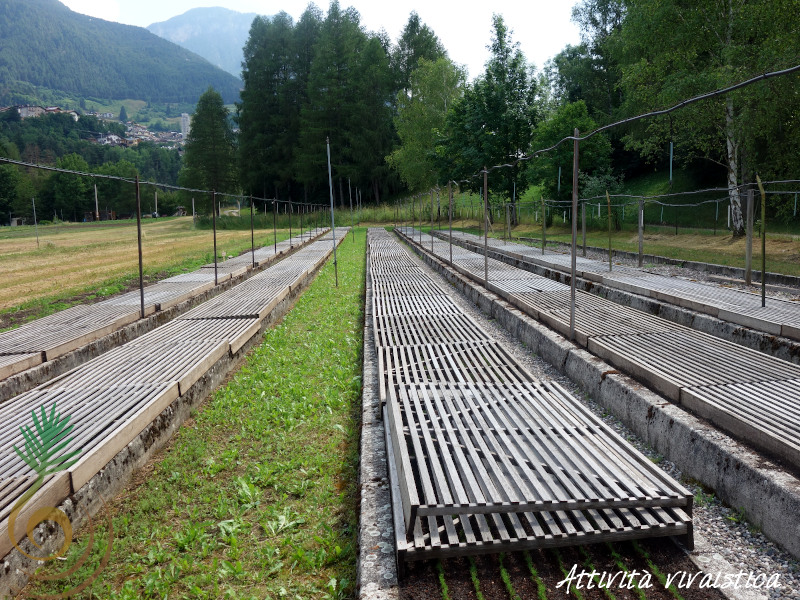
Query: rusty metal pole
{"type": "Point", "coordinates": [573, 262]}
{"type": "Point", "coordinates": [214, 218]}
{"type": "Point", "coordinates": [431, 220]}
{"type": "Point", "coordinates": [641, 231]}
{"type": "Point", "coordinates": [748, 257]}
{"type": "Point", "coordinates": [608, 199]}
{"type": "Point", "coordinates": [35, 222]}
{"type": "Point", "coordinates": [252, 233]}
{"type": "Point", "coordinates": [333, 222]}
{"type": "Point", "coordinates": [139, 236]}
{"type": "Point", "coordinates": [544, 226]}
{"type": "Point", "coordinates": [352, 219]}
{"type": "Point", "coordinates": [274, 227]}
{"type": "Point", "coordinates": [485, 227]}
{"type": "Point", "coordinates": [450, 219]}
{"type": "Point", "coordinates": [291, 243]}
{"type": "Point", "coordinates": [763, 242]}
{"type": "Point", "coordinates": [583, 227]}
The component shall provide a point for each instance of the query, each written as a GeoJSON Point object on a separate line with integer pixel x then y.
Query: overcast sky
{"type": "Point", "coordinates": [542, 27]}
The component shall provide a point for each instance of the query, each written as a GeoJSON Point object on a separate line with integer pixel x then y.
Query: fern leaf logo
{"type": "Point", "coordinates": [46, 452]}
{"type": "Point", "coordinates": [43, 452]}
{"type": "Point", "coordinates": [43, 445]}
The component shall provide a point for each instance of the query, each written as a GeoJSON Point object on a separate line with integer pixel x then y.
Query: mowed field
{"type": "Point", "coordinates": [86, 258]}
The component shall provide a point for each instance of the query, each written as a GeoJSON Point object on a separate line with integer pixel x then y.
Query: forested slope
{"type": "Point", "coordinates": [44, 43]}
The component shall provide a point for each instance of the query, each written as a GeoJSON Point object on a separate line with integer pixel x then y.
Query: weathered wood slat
{"type": "Point", "coordinates": [484, 458]}
{"type": "Point", "coordinates": [703, 372]}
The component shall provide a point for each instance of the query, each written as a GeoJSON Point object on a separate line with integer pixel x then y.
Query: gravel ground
{"type": "Point", "coordinates": [743, 547]}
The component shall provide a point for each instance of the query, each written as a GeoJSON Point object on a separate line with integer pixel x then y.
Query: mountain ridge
{"type": "Point", "coordinates": [43, 43]}
{"type": "Point", "coordinates": [215, 33]}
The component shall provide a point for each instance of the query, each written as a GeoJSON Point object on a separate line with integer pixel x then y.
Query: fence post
{"type": "Point", "coordinates": [544, 226]}
{"type": "Point", "coordinates": [583, 226]}
{"type": "Point", "coordinates": [763, 242]}
{"type": "Point", "coordinates": [274, 226]}
{"type": "Point", "coordinates": [139, 238]}
{"type": "Point", "coordinates": [574, 219]}
{"type": "Point", "coordinates": [608, 198]}
{"type": "Point", "coordinates": [748, 252]}
{"type": "Point", "coordinates": [485, 227]}
{"type": "Point", "coordinates": [214, 217]}
{"type": "Point", "coordinates": [333, 222]}
{"type": "Point", "coordinates": [641, 231]}
{"type": "Point", "coordinates": [252, 233]}
{"type": "Point", "coordinates": [35, 223]}
{"type": "Point", "coordinates": [431, 220]}
{"type": "Point", "coordinates": [450, 219]}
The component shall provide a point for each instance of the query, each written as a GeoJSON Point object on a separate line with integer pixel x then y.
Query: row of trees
{"type": "Point", "coordinates": [640, 55]}
{"type": "Point", "coordinates": [324, 78]}
{"type": "Point", "coordinates": [635, 56]}
{"type": "Point", "coordinates": [402, 117]}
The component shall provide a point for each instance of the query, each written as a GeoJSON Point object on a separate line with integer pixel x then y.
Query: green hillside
{"type": "Point", "coordinates": [44, 44]}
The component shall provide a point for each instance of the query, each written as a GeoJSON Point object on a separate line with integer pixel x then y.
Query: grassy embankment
{"type": "Point", "coordinates": [256, 496]}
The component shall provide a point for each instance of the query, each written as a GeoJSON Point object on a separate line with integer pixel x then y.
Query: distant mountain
{"type": "Point", "coordinates": [44, 43]}
{"type": "Point", "coordinates": [216, 34]}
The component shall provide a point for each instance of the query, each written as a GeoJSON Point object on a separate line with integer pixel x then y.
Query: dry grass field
{"type": "Point", "coordinates": [85, 258]}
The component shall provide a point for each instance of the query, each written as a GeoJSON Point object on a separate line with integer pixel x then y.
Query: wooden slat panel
{"type": "Point", "coordinates": [497, 460]}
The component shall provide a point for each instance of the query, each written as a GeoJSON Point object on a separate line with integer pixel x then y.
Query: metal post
{"type": "Point", "coordinates": [438, 210]}
{"type": "Point", "coordinates": [156, 197]}
{"type": "Point", "coordinates": [507, 231]}
{"type": "Point", "coordinates": [333, 223]}
{"type": "Point", "coordinates": [608, 198]}
{"type": "Point", "coordinates": [748, 257]}
{"type": "Point", "coordinates": [252, 233]}
{"type": "Point", "coordinates": [35, 223]}
{"type": "Point", "coordinates": [139, 237]}
{"type": "Point", "coordinates": [96, 206]}
{"type": "Point", "coordinates": [302, 209]}
{"type": "Point", "coordinates": [450, 219]}
{"type": "Point", "coordinates": [420, 219]}
{"type": "Point", "coordinates": [544, 227]}
{"type": "Point", "coordinates": [291, 243]}
{"type": "Point", "coordinates": [431, 220]}
{"type": "Point", "coordinates": [573, 264]}
{"type": "Point", "coordinates": [763, 242]}
{"type": "Point", "coordinates": [350, 195]}
{"type": "Point", "coordinates": [641, 231]}
{"type": "Point", "coordinates": [274, 225]}
{"type": "Point", "coordinates": [670, 164]}
{"type": "Point", "coordinates": [583, 226]}
{"type": "Point", "coordinates": [194, 216]}
{"type": "Point", "coordinates": [485, 227]}
{"type": "Point", "coordinates": [558, 189]}
{"type": "Point", "coordinates": [214, 217]}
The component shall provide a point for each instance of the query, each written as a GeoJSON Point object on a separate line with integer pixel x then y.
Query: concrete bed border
{"type": "Point", "coordinates": [777, 346]}
{"type": "Point", "coordinates": [740, 477]}
{"type": "Point", "coordinates": [115, 475]}
{"type": "Point", "coordinates": [377, 567]}
{"type": "Point", "coordinates": [30, 378]}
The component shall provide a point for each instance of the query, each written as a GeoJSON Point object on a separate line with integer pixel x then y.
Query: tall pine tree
{"type": "Point", "coordinates": [210, 157]}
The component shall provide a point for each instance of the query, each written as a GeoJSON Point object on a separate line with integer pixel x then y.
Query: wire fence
{"type": "Point", "coordinates": [222, 226]}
